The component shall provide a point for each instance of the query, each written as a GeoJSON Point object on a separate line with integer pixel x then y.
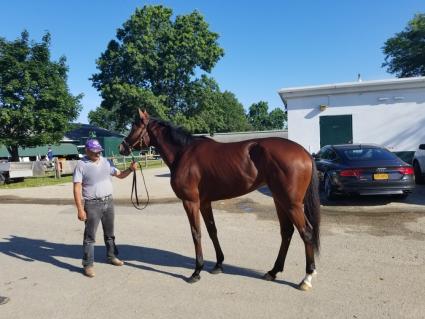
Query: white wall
{"type": "Point", "coordinates": [398, 122]}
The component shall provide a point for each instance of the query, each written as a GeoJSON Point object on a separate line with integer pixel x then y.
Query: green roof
{"type": "Point", "coordinates": [59, 149]}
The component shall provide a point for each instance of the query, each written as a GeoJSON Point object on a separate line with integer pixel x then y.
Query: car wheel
{"type": "Point", "coordinates": [401, 196]}
{"type": "Point", "coordinates": [419, 177]}
{"type": "Point", "coordinates": [329, 193]}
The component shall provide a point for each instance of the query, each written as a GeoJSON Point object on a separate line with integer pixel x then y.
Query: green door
{"type": "Point", "coordinates": [336, 129]}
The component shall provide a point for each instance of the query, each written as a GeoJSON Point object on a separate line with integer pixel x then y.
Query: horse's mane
{"type": "Point", "coordinates": [177, 134]}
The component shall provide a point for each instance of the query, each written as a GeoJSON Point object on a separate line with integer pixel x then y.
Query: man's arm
{"type": "Point", "coordinates": [81, 213]}
{"type": "Point", "coordinates": [126, 172]}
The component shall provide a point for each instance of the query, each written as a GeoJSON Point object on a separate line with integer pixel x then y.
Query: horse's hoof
{"type": "Point", "coordinates": [303, 286]}
{"type": "Point", "coordinates": [193, 279]}
{"type": "Point", "coordinates": [217, 270]}
{"type": "Point", "coordinates": [269, 277]}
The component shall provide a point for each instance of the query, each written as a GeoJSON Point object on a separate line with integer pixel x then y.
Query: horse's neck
{"type": "Point", "coordinates": [166, 148]}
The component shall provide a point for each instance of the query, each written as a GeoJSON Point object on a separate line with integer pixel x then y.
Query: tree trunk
{"type": "Point", "coordinates": [13, 151]}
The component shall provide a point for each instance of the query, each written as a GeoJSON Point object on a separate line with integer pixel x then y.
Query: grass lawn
{"type": "Point", "coordinates": [37, 181]}
{"type": "Point", "coordinates": [51, 180]}
{"type": "Point", "coordinates": [145, 164]}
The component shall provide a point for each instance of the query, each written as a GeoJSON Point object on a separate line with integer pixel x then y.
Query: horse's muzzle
{"type": "Point", "coordinates": [124, 150]}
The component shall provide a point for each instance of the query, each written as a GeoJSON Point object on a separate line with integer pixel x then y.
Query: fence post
{"type": "Point", "coordinates": [57, 168]}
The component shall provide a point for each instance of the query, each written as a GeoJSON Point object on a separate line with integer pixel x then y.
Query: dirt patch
{"type": "Point", "coordinates": [246, 205]}
{"type": "Point", "coordinates": [410, 225]}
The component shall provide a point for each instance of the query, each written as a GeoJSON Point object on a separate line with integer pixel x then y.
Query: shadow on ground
{"type": "Point", "coordinates": [163, 175]}
{"type": "Point", "coordinates": [32, 250]}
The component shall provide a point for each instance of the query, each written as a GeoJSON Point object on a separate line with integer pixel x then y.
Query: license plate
{"type": "Point", "coordinates": [380, 176]}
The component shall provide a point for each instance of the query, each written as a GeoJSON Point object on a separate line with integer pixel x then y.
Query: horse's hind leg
{"type": "Point", "coordinates": [207, 214]}
{"type": "Point", "coordinates": [306, 232]}
{"type": "Point", "coordinates": [192, 211]}
{"type": "Point", "coordinates": [286, 231]}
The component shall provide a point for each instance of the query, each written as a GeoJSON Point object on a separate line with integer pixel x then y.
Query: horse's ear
{"type": "Point", "coordinates": [146, 115]}
{"type": "Point", "coordinates": [141, 114]}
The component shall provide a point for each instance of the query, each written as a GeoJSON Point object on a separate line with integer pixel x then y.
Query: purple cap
{"type": "Point", "coordinates": [94, 145]}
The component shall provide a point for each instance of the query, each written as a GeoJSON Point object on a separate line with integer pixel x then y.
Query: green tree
{"type": "Point", "coordinates": [212, 111]}
{"type": "Point", "coordinates": [154, 64]}
{"type": "Point", "coordinates": [258, 116]}
{"type": "Point", "coordinates": [36, 107]}
{"type": "Point", "coordinates": [278, 119]}
{"type": "Point", "coordinates": [103, 118]}
{"type": "Point", "coordinates": [234, 114]}
{"type": "Point", "coordinates": [405, 52]}
{"type": "Point", "coordinates": [260, 119]}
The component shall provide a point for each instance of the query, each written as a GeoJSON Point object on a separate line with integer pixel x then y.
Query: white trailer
{"type": "Point", "coordinates": [15, 170]}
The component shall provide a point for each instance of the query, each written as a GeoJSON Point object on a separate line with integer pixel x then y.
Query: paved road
{"type": "Point", "coordinates": [371, 263]}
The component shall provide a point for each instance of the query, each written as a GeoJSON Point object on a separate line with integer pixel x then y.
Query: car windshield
{"type": "Point", "coordinates": [367, 154]}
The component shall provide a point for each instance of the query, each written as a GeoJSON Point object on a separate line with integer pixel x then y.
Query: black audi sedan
{"type": "Point", "coordinates": [364, 169]}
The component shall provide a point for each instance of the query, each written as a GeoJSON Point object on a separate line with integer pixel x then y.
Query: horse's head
{"type": "Point", "coordinates": [138, 135]}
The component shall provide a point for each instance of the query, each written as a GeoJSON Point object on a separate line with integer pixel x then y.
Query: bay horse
{"type": "Point", "coordinates": [203, 170]}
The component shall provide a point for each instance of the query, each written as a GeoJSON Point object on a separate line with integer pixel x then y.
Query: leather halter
{"type": "Point", "coordinates": [139, 140]}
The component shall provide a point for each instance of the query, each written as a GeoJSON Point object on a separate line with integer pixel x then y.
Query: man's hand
{"type": "Point", "coordinates": [133, 166]}
{"type": "Point", "coordinates": [82, 215]}
{"type": "Point", "coordinates": [126, 172]}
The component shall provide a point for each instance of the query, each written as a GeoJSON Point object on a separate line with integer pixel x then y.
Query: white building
{"type": "Point", "coordinates": [387, 112]}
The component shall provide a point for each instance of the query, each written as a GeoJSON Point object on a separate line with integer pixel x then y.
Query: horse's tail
{"type": "Point", "coordinates": [312, 207]}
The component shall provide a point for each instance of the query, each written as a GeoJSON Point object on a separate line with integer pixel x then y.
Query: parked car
{"type": "Point", "coordinates": [364, 169]}
{"type": "Point", "coordinates": [419, 164]}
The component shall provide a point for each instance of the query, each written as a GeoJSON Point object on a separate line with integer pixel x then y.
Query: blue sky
{"type": "Point", "coordinates": [268, 44]}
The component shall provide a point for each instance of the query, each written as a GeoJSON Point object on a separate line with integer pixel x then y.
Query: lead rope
{"type": "Point", "coordinates": [134, 188]}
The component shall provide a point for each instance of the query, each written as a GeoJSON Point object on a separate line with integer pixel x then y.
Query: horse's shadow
{"type": "Point", "coordinates": [163, 175]}
{"type": "Point", "coordinates": [145, 258]}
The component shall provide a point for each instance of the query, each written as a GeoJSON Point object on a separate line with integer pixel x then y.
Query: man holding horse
{"type": "Point", "coordinates": [93, 183]}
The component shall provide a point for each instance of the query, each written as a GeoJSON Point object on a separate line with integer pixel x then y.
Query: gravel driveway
{"type": "Point", "coordinates": [371, 265]}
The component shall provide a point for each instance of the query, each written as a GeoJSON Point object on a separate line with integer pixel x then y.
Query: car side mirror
{"type": "Point", "coordinates": [422, 146]}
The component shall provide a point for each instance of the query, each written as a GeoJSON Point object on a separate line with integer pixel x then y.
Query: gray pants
{"type": "Point", "coordinates": [99, 210]}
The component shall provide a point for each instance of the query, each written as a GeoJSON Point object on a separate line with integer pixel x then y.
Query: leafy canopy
{"type": "Point", "coordinates": [260, 119]}
{"type": "Point", "coordinates": [160, 64]}
{"type": "Point", "coordinates": [35, 104]}
{"type": "Point", "coordinates": [405, 52]}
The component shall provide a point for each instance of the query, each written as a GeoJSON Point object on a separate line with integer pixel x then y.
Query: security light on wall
{"type": "Point", "coordinates": [323, 107]}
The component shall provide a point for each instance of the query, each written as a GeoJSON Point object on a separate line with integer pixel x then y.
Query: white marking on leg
{"type": "Point", "coordinates": [306, 283]}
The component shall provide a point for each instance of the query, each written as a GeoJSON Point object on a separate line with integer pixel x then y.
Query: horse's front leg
{"type": "Point", "coordinates": [207, 214]}
{"type": "Point", "coordinates": [192, 211]}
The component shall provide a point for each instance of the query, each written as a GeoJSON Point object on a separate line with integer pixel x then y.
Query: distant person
{"type": "Point", "coordinates": [49, 154]}
{"type": "Point", "coordinates": [4, 300]}
{"type": "Point", "coordinates": [93, 183]}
